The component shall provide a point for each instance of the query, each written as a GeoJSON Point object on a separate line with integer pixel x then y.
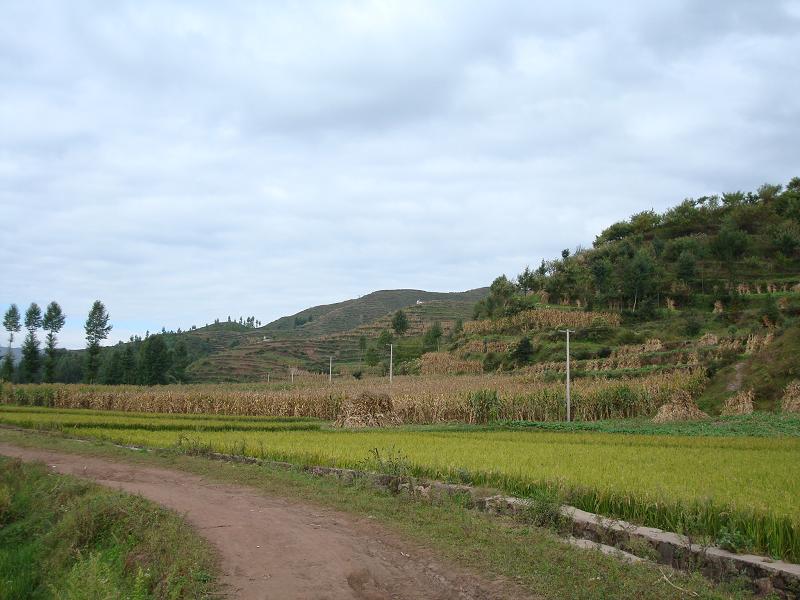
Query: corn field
{"type": "Point", "coordinates": [444, 363]}
{"type": "Point", "coordinates": [542, 318]}
{"type": "Point", "coordinates": [415, 400]}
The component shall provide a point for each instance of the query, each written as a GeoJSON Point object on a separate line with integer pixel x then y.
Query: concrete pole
{"type": "Point", "coordinates": [569, 403]}
{"type": "Point", "coordinates": [330, 370]}
{"type": "Point", "coordinates": [391, 362]}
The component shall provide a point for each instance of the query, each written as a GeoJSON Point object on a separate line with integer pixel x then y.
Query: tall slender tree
{"type": "Point", "coordinates": [97, 329]}
{"type": "Point", "coordinates": [52, 323]}
{"type": "Point", "coordinates": [12, 325]}
{"type": "Point", "coordinates": [31, 361]}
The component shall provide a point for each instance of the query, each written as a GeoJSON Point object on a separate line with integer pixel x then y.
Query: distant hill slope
{"type": "Point", "coordinates": [711, 284]}
{"type": "Point", "coordinates": [228, 351]}
{"type": "Point", "coordinates": [344, 316]}
{"type": "Point", "coordinates": [254, 353]}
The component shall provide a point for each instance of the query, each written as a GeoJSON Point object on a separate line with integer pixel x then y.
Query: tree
{"type": "Point", "coordinates": [523, 351]}
{"type": "Point", "coordinates": [52, 323]}
{"type": "Point", "coordinates": [113, 371]}
{"type": "Point", "coordinates": [786, 239]}
{"type": "Point", "coordinates": [31, 361]}
{"type": "Point", "coordinates": [155, 362]}
{"type": "Point", "coordinates": [362, 345]}
{"type": "Point", "coordinates": [500, 293]}
{"type": "Point", "coordinates": [431, 339]}
{"type": "Point", "coordinates": [729, 246]}
{"type": "Point", "coordinates": [640, 277]}
{"type": "Point", "coordinates": [180, 362]}
{"type": "Point", "coordinates": [129, 367]}
{"type": "Point", "coordinates": [97, 329]}
{"type": "Point", "coordinates": [686, 267]}
{"type": "Point", "coordinates": [384, 339]}
{"type": "Point", "coordinates": [12, 325]}
{"type": "Point", "coordinates": [372, 357]}
{"type": "Point", "coordinates": [527, 281]}
{"type": "Point", "coordinates": [400, 322]}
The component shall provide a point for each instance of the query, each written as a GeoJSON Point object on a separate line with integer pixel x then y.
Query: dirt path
{"type": "Point", "coordinates": [275, 548]}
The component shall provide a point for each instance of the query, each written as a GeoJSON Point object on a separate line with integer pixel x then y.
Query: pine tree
{"type": "Point", "coordinates": [97, 329]}
{"type": "Point", "coordinates": [12, 325]}
{"type": "Point", "coordinates": [129, 366]}
{"type": "Point", "coordinates": [155, 362]}
{"type": "Point", "coordinates": [54, 319]}
{"type": "Point", "coordinates": [31, 361]}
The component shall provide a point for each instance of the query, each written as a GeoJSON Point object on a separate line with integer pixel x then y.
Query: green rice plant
{"type": "Point", "coordinates": [706, 485]}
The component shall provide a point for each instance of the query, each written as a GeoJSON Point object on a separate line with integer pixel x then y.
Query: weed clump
{"type": "Point", "coordinates": [544, 510]}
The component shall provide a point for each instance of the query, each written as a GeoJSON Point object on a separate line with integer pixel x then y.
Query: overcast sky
{"type": "Point", "coordinates": [189, 160]}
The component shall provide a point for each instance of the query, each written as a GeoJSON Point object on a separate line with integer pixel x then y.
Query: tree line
{"type": "Point", "coordinates": [148, 361]}
{"type": "Point", "coordinates": [704, 246]}
{"type": "Point", "coordinates": [34, 367]}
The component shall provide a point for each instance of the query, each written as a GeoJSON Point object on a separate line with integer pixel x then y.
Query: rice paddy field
{"type": "Point", "coordinates": [699, 483]}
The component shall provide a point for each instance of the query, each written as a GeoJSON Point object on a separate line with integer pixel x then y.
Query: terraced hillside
{"type": "Point", "coordinates": [255, 353]}
{"type": "Point", "coordinates": [348, 315]}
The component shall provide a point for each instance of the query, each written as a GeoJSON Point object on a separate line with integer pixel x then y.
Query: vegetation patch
{"type": "Point", "coordinates": [66, 538]}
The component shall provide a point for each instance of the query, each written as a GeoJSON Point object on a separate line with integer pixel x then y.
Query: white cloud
{"type": "Point", "coordinates": [187, 160]}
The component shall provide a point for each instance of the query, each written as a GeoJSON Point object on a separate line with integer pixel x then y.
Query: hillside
{"type": "Point", "coordinates": [253, 355]}
{"type": "Point", "coordinates": [711, 284]}
{"type": "Point", "coordinates": [347, 315]}
{"type": "Point", "coordinates": [305, 341]}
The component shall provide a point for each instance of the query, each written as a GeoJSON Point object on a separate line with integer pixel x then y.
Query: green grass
{"type": "Point", "coordinates": [699, 483]}
{"type": "Point", "coordinates": [61, 537]}
{"type": "Point", "coordinates": [496, 547]}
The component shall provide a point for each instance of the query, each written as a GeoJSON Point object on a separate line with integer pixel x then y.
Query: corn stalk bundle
{"type": "Point", "coordinates": [740, 403]}
{"type": "Point", "coordinates": [790, 403]}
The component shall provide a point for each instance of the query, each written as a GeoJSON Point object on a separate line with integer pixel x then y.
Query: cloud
{"type": "Point", "coordinates": [187, 160]}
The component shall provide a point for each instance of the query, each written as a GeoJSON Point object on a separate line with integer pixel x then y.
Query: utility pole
{"type": "Point", "coordinates": [567, 331]}
{"type": "Point", "coordinates": [291, 370]}
{"type": "Point", "coordinates": [391, 362]}
{"type": "Point", "coordinates": [330, 369]}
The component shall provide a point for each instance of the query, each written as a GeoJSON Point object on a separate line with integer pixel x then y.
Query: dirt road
{"type": "Point", "coordinates": [274, 548]}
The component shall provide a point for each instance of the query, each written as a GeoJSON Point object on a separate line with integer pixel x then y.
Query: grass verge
{"type": "Point", "coordinates": [534, 557]}
{"type": "Point", "coordinates": [62, 537]}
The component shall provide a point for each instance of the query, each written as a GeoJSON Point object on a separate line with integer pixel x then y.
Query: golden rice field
{"type": "Point", "coordinates": [415, 400]}
{"type": "Point", "coordinates": [700, 484]}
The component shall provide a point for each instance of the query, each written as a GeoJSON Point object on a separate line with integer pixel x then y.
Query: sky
{"type": "Point", "coordinates": [183, 161]}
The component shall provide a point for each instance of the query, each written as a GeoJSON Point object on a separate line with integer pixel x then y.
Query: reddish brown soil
{"type": "Point", "coordinates": [277, 548]}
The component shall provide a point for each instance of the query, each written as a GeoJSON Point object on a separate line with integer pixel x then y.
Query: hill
{"type": "Point", "coordinates": [307, 340]}
{"type": "Point", "coordinates": [347, 315]}
{"type": "Point", "coordinates": [712, 284]}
